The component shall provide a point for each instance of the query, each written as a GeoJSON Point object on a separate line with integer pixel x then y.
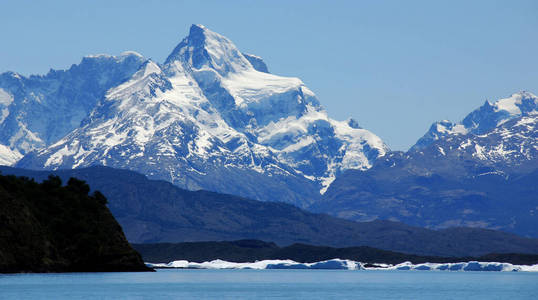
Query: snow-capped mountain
{"type": "Point", "coordinates": [483, 119]}
{"type": "Point", "coordinates": [511, 147]}
{"type": "Point", "coordinates": [502, 135]}
{"type": "Point", "coordinates": [37, 111]}
{"type": "Point", "coordinates": [481, 172]}
{"type": "Point", "coordinates": [214, 118]}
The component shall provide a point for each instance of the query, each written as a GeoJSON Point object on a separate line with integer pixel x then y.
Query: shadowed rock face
{"type": "Point", "coordinates": [257, 62]}
{"type": "Point", "coordinates": [52, 228]}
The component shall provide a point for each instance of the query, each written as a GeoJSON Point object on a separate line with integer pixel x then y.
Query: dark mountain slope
{"type": "Point", "coordinates": [253, 250]}
{"type": "Point", "coordinates": [50, 228]}
{"type": "Point", "coordinates": [156, 211]}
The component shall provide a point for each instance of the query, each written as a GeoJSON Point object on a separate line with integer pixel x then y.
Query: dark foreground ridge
{"type": "Point", "coordinates": [253, 250]}
{"type": "Point", "coordinates": [47, 227]}
{"type": "Point", "coordinates": [155, 211]}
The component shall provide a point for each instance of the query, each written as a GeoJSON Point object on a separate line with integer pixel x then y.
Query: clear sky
{"type": "Point", "coordinates": [395, 66]}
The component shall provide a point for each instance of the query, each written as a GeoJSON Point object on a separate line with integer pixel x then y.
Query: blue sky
{"type": "Point", "coordinates": [395, 66]}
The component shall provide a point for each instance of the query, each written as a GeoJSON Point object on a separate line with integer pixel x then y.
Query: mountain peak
{"type": "Point", "coordinates": [524, 94]}
{"type": "Point", "coordinates": [197, 34]}
{"type": "Point", "coordinates": [197, 29]}
{"type": "Point", "coordinates": [353, 123]}
{"type": "Point", "coordinates": [200, 26]}
{"type": "Point", "coordinates": [483, 119]}
{"type": "Point", "coordinates": [517, 104]}
{"type": "Point", "coordinates": [205, 49]}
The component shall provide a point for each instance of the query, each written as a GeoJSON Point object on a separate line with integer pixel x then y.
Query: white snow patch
{"type": "Point", "coordinates": [499, 151]}
{"type": "Point", "coordinates": [8, 157]}
{"type": "Point", "coordinates": [57, 157]}
{"type": "Point", "coordinates": [459, 129]}
{"type": "Point", "coordinates": [131, 53]}
{"type": "Point", "coordinates": [453, 129]}
{"type": "Point", "coordinates": [500, 173]}
{"type": "Point", "coordinates": [325, 183]}
{"type": "Point", "coordinates": [479, 152]}
{"type": "Point", "coordinates": [465, 144]}
{"type": "Point", "coordinates": [25, 140]}
{"type": "Point", "coordinates": [526, 121]}
{"type": "Point", "coordinates": [509, 104]}
{"type": "Point", "coordinates": [5, 98]}
{"type": "Point", "coordinates": [99, 55]}
{"type": "Point", "coordinates": [251, 86]}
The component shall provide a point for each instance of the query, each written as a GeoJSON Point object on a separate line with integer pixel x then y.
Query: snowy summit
{"type": "Point", "coordinates": [209, 117]}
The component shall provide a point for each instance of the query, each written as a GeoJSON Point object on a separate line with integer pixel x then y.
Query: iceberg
{"type": "Point", "coordinates": [333, 264]}
{"type": "Point", "coordinates": [345, 264]}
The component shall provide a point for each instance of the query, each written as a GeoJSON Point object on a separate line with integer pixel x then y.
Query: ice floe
{"type": "Point", "coordinates": [344, 264]}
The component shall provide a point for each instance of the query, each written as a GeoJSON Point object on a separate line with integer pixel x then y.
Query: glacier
{"type": "Point", "coordinates": [345, 264]}
{"type": "Point", "coordinates": [210, 117]}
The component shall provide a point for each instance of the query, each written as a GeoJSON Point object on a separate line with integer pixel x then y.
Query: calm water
{"type": "Point", "coordinates": [272, 284]}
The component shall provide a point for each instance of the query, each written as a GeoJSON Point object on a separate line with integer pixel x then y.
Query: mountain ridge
{"type": "Point", "coordinates": [483, 119]}
{"type": "Point", "coordinates": [481, 173]}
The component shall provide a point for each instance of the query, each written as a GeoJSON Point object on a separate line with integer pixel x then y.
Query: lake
{"type": "Point", "coordinates": [272, 284]}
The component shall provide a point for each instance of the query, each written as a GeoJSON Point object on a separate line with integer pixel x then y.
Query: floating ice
{"type": "Point", "coordinates": [344, 264]}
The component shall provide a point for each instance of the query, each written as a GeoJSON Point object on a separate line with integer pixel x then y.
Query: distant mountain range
{"type": "Point", "coordinates": [209, 117]}
{"type": "Point", "coordinates": [482, 172]}
{"type": "Point", "coordinates": [152, 211]}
